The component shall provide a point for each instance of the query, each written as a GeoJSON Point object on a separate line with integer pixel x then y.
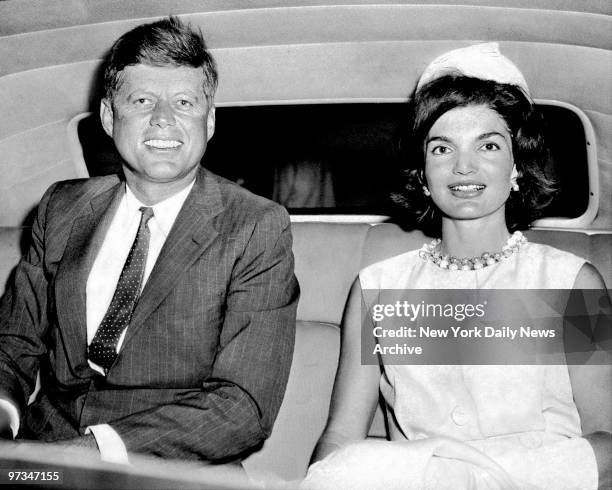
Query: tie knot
{"type": "Point", "coordinates": [147, 214]}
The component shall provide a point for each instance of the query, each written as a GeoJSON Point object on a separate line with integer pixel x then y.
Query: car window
{"type": "Point", "coordinates": [341, 158]}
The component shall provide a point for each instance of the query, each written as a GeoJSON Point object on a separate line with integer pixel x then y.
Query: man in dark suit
{"type": "Point", "coordinates": [159, 309]}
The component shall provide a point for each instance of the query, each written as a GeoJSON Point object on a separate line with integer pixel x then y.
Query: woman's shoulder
{"type": "Point", "coordinates": [549, 267]}
{"type": "Point", "coordinates": [382, 273]}
{"type": "Point", "coordinates": [552, 255]}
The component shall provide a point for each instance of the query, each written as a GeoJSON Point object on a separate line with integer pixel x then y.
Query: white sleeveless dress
{"type": "Point", "coordinates": [522, 418]}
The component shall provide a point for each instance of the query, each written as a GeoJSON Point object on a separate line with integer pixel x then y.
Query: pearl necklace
{"type": "Point", "coordinates": [429, 251]}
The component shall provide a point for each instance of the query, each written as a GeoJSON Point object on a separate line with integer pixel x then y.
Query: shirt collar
{"type": "Point", "coordinates": [165, 211]}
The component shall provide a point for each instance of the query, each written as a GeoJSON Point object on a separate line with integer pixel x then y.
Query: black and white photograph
{"type": "Point", "coordinates": [306, 244]}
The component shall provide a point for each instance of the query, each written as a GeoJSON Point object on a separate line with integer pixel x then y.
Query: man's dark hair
{"type": "Point", "coordinates": [167, 42]}
{"type": "Point", "coordinates": [524, 123]}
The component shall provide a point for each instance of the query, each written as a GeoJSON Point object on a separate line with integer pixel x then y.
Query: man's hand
{"type": "Point", "coordinates": [5, 425]}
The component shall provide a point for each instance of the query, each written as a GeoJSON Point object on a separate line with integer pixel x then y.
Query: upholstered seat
{"type": "Point", "coordinates": [328, 257]}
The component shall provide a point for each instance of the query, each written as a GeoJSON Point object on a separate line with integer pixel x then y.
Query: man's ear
{"type": "Point", "coordinates": [106, 116]}
{"type": "Point", "coordinates": [210, 123]}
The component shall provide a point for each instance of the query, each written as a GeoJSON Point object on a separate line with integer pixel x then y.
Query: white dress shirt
{"type": "Point", "coordinates": [102, 282]}
{"type": "Point", "coordinates": [113, 253]}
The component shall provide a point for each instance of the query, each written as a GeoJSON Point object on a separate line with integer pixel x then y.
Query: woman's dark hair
{"type": "Point", "coordinates": [524, 122]}
{"type": "Point", "coordinates": [167, 42]}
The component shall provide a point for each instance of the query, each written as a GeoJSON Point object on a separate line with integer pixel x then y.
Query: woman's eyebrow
{"type": "Point", "coordinates": [492, 133]}
{"type": "Point", "coordinates": [437, 138]}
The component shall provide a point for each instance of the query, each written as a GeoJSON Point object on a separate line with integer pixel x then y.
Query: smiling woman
{"type": "Point", "coordinates": [483, 134]}
{"type": "Point", "coordinates": [469, 168]}
{"type": "Point", "coordinates": [476, 158]}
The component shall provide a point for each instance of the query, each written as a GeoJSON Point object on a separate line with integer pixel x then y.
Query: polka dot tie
{"type": "Point", "coordinates": [103, 348]}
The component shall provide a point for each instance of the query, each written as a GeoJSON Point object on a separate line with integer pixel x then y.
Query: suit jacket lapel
{"type": "Point", "coordinates": [86, 237]}
{"type": "Point", "coordinates": [188, 238]}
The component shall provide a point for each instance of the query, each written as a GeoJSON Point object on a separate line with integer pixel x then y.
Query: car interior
{"type": "Point", "coordinates": [309, 110]}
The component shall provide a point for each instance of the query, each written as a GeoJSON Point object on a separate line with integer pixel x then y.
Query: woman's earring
{"type": "Point", "coordinates": [513, 183]}
{"type": "Point", "coordinates": [426, 191]}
